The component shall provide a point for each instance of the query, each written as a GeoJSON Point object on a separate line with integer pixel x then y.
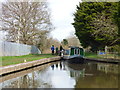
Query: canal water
{"type": "Point", "coordinates": [63, 74]}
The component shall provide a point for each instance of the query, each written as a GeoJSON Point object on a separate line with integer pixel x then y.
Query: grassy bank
{"type": "Point", "coordinates": [10, 60]}
{"type": "Point", "coordinates": [94, 55]}
{"type": "Point", "coordinates": [91, 55]}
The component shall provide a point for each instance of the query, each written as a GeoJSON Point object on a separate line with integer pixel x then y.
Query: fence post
{"type": "Point", "coordinates": [106, 51]}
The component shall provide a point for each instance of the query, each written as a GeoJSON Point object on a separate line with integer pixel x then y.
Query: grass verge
{"type": "Point", "coordinates": [91, 55]}
{"type": "Point", "coordinates": [10, 60]}
{"type": "Point", "coordinates": [94, 55]}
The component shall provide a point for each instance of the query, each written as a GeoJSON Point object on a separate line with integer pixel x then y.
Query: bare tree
{"type": "Point", "coordinates": [26, 22]}
{"type": "Point", "coordinates": [48, 42]}
{"type": "Point", "coordinates": [73, 41]}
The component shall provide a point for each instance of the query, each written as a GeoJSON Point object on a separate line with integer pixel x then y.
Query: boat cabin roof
{"type": "Point", "coordinates": [74, 47]}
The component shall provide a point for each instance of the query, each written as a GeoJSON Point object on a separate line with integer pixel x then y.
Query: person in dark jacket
{"type": "Point", "coordinates": [56, 50]}
{"type": "Point", "coordinates": [61, 48]}
{"type": "Point", "coordinates": [52, 49]}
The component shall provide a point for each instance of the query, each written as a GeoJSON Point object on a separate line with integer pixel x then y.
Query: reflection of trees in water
{"type": "Point", "coordinates": [77, 70]}
{"type": "Point", "coordinates": [42, 79]}
{"type": "Point", "coordinates": [33, 80]}
{"type": "Point", "coordinates": [99, 81]}
{"type": "Point", "coordinates": [10, 84]}
{"type": "Point", "coordinates": [39, 80]}
{"type": "Point", "coordinates": [28, 81]}
{"type": "Point", "coordinates": [108, 68]}
{"type": "Point", "coordinates": [20, 82]}
{"type": "Point", "coordinates": [77, 74]}
{"type": "Point", "coordinates": [24, 81]}
{"type": "Point", "coordinates": [92, 77]}
{"type": "Point", "coordinates": [80, 72]}
{"type": "Point", "coordinates": [95, 68]}
{"type": "Point", "coordinates": [73, 69]}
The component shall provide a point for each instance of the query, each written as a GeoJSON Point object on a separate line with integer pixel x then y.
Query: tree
{"type": "Point", "coordinates": [48, 42]}
{"type": "Point", "coordinates": [65, 42]}
{"type": "Point", "coordinates": [73, 41]}
{"type": "Point", "coordinates": [118, 18]}
{"type": "Point", "coordinates": [93, 24]}
{"type": "Point", "coordinates": [26, 22]}
{"type": "Point", "coordinates": [117, 21]}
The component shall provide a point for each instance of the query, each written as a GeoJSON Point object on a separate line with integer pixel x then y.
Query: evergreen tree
{"type": "Point", "coordinates": [93, 24]}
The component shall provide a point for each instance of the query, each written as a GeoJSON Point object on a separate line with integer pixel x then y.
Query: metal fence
{"type": "Point", "coordinates": [16, 49]}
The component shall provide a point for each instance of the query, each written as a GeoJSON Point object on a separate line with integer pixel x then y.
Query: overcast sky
{"type": "Point", "coordinates": [62, 17]}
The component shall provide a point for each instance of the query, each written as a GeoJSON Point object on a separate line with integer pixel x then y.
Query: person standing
{"type": "Point", "coordinates": [52, 49]}
{"type": "Point", "coordinates": [61, 48]}
{"type": "Point", "coordinates": [56, 50]}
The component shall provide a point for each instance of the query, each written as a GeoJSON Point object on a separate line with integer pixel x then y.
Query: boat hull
{"type": "Point", "coordinates": [74, 59]}
{"type": "Point", "coordinates": [72, 56]}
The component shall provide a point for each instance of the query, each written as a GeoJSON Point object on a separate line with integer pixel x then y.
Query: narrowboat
{"type": "Point", "coordinates": [73, 52]}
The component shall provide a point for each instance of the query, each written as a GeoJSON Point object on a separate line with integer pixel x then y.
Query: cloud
{"type": "Point", "coordinates": [62, 33]}
{"type": "Point", "coordinates": [62, 17]}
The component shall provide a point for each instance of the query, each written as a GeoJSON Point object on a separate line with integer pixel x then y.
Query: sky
{"type": "Point", "coordinates": [62, 16]}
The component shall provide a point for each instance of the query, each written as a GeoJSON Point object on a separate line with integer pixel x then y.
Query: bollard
{"type": "Point", "coordinates": [25, 60]}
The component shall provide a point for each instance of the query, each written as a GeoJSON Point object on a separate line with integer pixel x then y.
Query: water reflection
{"type": "Point", "coordinates": [53, 67]}
{"type": "Point", "coordinates": [107, 68]}
{"type": "Point", "coordinates": [24, 81]}
{"type": "Point", "coordinates": [68, 75]}
{"type": "Point", "coordinates": [59, 65]}
{"type": "Point", "coordinates": [92, 77]}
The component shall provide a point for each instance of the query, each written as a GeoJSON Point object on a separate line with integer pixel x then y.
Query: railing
{"type": "Point", "coordinates": [114, 55]}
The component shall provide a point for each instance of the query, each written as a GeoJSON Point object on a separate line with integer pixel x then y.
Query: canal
{"type": "Point", "coordinates": [63, 74]}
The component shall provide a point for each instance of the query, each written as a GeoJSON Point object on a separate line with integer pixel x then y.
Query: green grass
{"type": "Point", "coordinates": [91, 55]}
{"type": "Point", "coordinates": [94, 55]}
{"type": "Point", "coordinates": [10, 60]}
